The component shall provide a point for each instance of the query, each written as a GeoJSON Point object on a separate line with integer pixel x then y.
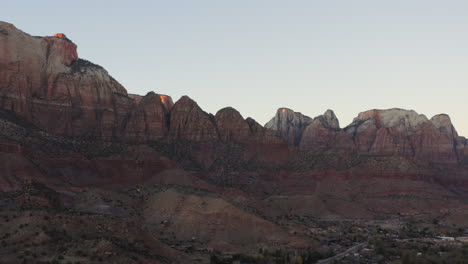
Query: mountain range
{"type": "Point", "coordinates": [182, 184]}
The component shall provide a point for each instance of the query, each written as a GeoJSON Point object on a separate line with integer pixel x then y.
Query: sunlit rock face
{"type": "Point", "coordinates": [166, 100]}
{"type": "Point", "coordinates": [324, 132]}
{"type": "Point", "coordinates": [289, 125]}
{"type": "Point", "coordinates": [61, 35]}
{"type": "Point", "coordinates": [403, 133]}
{"type": "Point", "coordinates": [22, 53]}
{"type": "Point", "coordinates": [42, 79]}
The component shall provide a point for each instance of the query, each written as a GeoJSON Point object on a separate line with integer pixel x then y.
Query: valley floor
{"type": "Point", "coordinates": [103, 226]}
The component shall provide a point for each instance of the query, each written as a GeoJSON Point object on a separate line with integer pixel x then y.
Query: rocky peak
{"type": "Point", "coordinates": [185, 100]}
{"type": "Point", "coordinates": [255, 127]}
{"type": "Point", "coordinates": [149, 119]}
{"type": "Point", "coordinates": [231, 125]}
{"type": "Point", "coordinates": [289, 125]}
{"type": "Point", "coordinates": [61, 49]}
{"type": "Point", "coordinates": [390, 118]}
{"type": "Point", "coordinates": [229, 112]}
{"type": "Point", "coordinates": [404, 133]}
{"type": "Point", "coordinates": [42, 80]}
{"type": "Point", "coordinates": [62, 36]}
{"type": "Point", "coordinates": [444, 124]}
{"type": "Point", "coordinates": [286, 116]}
{"type": "Point", "coordinates": [262, 134]}
{"type": "Point", "coordinates": [324, 132]}
{"type": "Point", "coordinates": [329, 119]}
{"type": "Point", "coordinates": [57, 52]}
{"type": "Point", "coordinates": [166, 100]}
{"type": "Point", "coordinates": [188, 121]}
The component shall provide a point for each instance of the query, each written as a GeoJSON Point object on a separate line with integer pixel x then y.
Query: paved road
{"type": "Point", "coordinates": [341, 255]}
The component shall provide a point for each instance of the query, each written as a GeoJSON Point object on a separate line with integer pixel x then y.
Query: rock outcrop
{"type": "Point", "coordinates": [404, 133]}
{"type": "Point", "coordinates": [324, 132]}
{"type": "Point", "coordinates": [262, 134]}
{"type": "Point", "coordinates": [42, 79]}
{"type": "Point", "coordinates": [189, 122]}
{"type": "Point", "coordinates": [443, 123]}
{"type": "Point", "coordinates": [231, 125]}
{"type": "Point", "coordinates": [62, 36]}
{"type": "Point", "coordinates": [289, 125]}
{"type": "Point", "coordinates": [166, 100]}
{"type": "Point", "coordinates": [150, 119]}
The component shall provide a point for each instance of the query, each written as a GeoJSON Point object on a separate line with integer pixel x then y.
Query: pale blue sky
{"type": "Point", "coordinates": [258, 55]}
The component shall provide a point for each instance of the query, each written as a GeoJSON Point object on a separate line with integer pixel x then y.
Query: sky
{"type": "Point", "coordinates": [259, 55]}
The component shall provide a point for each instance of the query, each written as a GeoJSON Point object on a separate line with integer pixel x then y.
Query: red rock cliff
{"type": "Point", "coordinates": [324, 132]}
{"type": "Point", "coordinates": [399, 132]}
{"type": "Point", "coordinates": [43, 80]}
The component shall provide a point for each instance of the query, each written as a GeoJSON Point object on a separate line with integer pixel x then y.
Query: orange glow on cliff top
{"type": "Point", "coordinates": [164, 98]}
{"type": "Point", "coordinates": [166, 101]}
{"type": "Point", "coordinates": [60, 35]}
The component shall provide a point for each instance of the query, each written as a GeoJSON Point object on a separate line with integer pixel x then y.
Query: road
{"type": "Point", "coordinates": [343, 254]}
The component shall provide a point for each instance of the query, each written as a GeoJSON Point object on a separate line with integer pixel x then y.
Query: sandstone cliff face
{"type": "Point", "coordinates": [443, 123]}
{"type": "Point", "coordinates": [385, 131]}
{"type": "Point", "coordinates": [189, 122]}
{"type": "Point", "coordinates": [150, 119]}
{"type": "Point", "coordinates": [462, 148]}
{"type": "Point", "coordinates": [263, 134]}
{"type": "Point", "coordinates": [42, 79]}
{"type": "Point", "coordinates": [403, 133]}
{"type": "Point", "coordinates": [391, 132]}
{"type": "Point", "coordinates": [231, 125]}
{"type": "Point", "coordinates": [88, 101]}
{"type": "Point", "coordinates": [289, 125]}
{"type": "Point", "coordinates": [324, 132]}
{"type": "Point", "coordinates": [329, 119]}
